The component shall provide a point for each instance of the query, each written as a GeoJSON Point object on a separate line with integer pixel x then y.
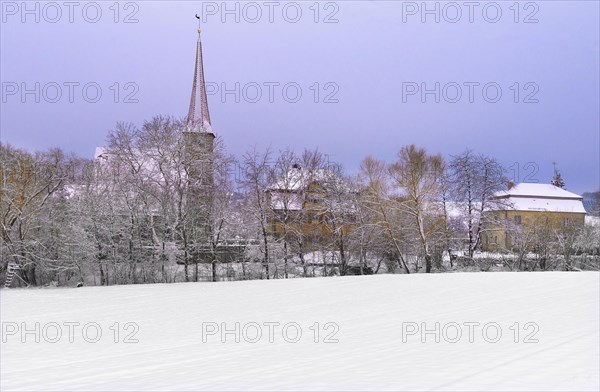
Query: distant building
{"type": "Point", "coordinates": [301, 202]}
{"type": "Point", "coordinates": [199, 151]}
{"type": "Point", "coordinates": [527, 207]}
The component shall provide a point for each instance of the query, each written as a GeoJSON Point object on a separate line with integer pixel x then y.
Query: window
{"type": "Point", "coordinates": [566, 221]}
{"type": "Point", "coordinates": [517, 219]}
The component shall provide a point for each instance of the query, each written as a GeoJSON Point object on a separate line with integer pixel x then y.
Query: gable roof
{"type": "Point", "coordinates": [541, 197]}
{"type": "Point", "coordinates": [538, 190]}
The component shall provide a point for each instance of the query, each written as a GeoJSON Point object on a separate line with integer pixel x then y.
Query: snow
{"type": "Point", "coordinates": [592, 220]}
{"type": "Point", "coordinates": [100, 152]}
{"type": "Point", "coordinates": [549, 205]}
{"type": "Point", "coordinates": [457, 209]}
{"type": "Point", "coordinates": [290, 201]}
{"type": "Point", "coordinates": [294, 180]}
{"type": "Point", "coordinates": [298, 179]}
{"type": "Point", "coordinates": [289, 190]}
{"type": "Point", "coordinates": [540, 190]}
{"type": "Point", "coordinates": [320, 257]}
{"type": "Point", "coordinates": [370, 355]}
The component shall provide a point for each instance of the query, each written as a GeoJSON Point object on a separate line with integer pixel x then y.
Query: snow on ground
{"type": "Point", "coordinates": [372, 352]}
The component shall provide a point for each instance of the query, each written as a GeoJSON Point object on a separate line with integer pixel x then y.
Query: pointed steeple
{"type": "Point", "coordinates": [198, 119]}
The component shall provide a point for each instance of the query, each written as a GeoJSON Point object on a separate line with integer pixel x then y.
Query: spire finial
{"type": "Point", "coordinates": [198, 119]}
{"type": "Point", "coordinates": [199, 29]}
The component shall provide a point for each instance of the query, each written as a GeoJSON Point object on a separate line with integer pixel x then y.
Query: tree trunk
{"type": "Point", "coordinates": [102, 276]}
{"type": "Point", "coordinates": [343, 258]}
{"type": "Point", "coordinates": [402, 264]}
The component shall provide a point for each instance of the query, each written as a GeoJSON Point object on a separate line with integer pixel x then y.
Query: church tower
{"type": "Point", "coordinates": [199, 150]}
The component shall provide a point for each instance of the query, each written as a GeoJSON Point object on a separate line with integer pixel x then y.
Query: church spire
{"type": "Point", "coordinates": [198, 119]}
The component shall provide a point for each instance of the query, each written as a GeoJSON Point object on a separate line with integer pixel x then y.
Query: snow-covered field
{"type": "Point", "coordinates": [376, 320]}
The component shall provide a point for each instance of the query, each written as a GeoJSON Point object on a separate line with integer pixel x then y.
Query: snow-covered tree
{"type": "Point", "coordinates": [473, 179]}
{"type": "Point", "coordinates": [30, 183]}
{"type": "Point", "coordinates": [417, 176]}
{"type": "Point", "coordinates": [557, 179]}
{"type": "Point", "coordinates": [255, 180]}
{"type": "Point", "coordinates": [380, 209]}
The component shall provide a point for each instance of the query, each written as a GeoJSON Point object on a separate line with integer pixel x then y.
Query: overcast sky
{"type": "Point", "coordinates": [365, 69]}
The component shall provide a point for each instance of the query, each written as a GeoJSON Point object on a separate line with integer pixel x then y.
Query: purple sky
{"type": "Point", "coordinates": [366, 60]}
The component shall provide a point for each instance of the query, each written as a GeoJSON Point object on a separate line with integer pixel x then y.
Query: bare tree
{"type": "Point", "coordinates": [367, 238]}
{"type": "Point", "coordinates": [418, 176]}
{"type": "Point", "coordinates": [566, 237]}
{"type": "Point", "coordinates": [171, 212]}
{"type": "Point", "coordinates": [257, 176]}
{"type": "Point", "coordinates": [286, 204]}
{"type": "Point", "coordinates": [221, 216]}
{"type": "Point", "coordinates": [379, 203]}
{"type": "Point", "coordinates": [338, 212]}
{"type": "Point", "coordinates": [29, 182]}
{"type": "Point", "coordinates": [475, 178]}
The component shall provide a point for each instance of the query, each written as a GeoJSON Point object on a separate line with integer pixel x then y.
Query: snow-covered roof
{"type": "Point", "coordinates": [147, 162]}
{"type": "Point", "coordinates": [100, 152]}
{"type": "Point", "coordinates": [546, 204]}
{"type": "Point", "coordinates": [286, 201]}
{"type": "Point", "coordinates": [288, 192]}
{"type": "Point", "coordinates": [294, 180]}
{"type": "Point", "coordinates": [541, 197]}
{"type": "Point", "coordinates": [539, 190]}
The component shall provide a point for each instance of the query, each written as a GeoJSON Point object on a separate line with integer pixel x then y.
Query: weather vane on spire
{"type": "Point", "coordinates": [199, 29]}
{"type": "Point", "coordinates": [198, 117]}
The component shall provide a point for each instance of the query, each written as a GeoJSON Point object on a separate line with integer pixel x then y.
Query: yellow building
{"type": "Point", "coordinates": [301, 203]}
{"type": "Point", "coordinates": [528, 213]}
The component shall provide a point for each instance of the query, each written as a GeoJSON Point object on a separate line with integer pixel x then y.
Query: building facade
{"type": "Point", "coordinates": [311, 205]}
{"type": "Point", "coordinates": [528, 213]}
